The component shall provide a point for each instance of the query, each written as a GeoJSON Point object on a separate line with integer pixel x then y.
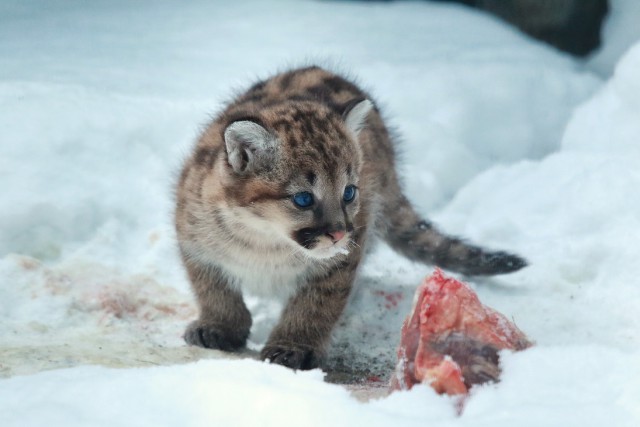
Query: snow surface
{"type": "Point", "coordinates": [505, 141]}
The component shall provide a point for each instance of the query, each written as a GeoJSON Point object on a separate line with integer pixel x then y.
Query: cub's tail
{"type": "Point", "coordinates": [419, 240]}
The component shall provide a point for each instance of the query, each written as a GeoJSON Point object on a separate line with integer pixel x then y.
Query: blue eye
{"type": "Point", "coordinates": [349, 193]}
{"type": "Point", "coordinates": [304, 199]}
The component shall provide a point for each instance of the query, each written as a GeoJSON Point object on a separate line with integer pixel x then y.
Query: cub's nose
{"type": "Point", "coordinates": [336, 236]}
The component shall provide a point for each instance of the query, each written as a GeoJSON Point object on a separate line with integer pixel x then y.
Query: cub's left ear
{"type": "Point", "coordinates": [355, 117]}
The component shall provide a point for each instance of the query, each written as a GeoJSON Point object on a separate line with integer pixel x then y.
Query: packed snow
{"type": "Point", "coordinates": [504, 141]}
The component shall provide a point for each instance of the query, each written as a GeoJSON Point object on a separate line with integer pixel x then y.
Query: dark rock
{"type": "Point", "coordinates": [573, 26]}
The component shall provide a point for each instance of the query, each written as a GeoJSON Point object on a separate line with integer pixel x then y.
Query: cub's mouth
{"type": "Point", "coordinates": [323, 242]}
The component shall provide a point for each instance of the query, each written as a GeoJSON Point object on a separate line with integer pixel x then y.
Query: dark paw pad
{"type": "Point", "coordinates": [291, 358]}
{"type": "Point", "coordinates": [208, 336]}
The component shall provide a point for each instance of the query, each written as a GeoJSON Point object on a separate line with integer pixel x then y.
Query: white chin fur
{"type": "Point", "coordinates": [327, 252]}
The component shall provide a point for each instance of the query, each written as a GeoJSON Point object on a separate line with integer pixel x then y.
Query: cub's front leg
{"type": "Point", "coordinates": [299, 339]}
{"type": "Point", "coordinates": [224, 321]}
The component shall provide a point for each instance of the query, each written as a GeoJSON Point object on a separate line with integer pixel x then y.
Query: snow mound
{"type": "Point", "coordinates": [609, 121]}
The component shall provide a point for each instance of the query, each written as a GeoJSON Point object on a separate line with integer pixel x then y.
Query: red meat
{"type": "Point", "coordinates": [451, 340]}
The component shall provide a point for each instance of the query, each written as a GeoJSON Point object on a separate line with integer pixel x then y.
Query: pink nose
{"type": "Point", "coordinates": [336, 236]}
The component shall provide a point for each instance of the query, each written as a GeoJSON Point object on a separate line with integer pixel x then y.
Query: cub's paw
{"type": "Point", "coordinates": [293, 358]}
{"type": "Point", "coordinates": [211, 336]}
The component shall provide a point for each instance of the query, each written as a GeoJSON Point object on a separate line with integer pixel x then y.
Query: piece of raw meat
{"type": "Point", "coordinates": [451, 340]}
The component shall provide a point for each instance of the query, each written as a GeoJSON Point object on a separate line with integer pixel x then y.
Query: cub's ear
{"type": "Point", "coordinates": [355, 117]}
{"type": "Point", "coordinates": [250, 147]}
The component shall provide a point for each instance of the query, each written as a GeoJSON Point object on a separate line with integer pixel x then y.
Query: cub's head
{"type": "Point", "coordinates": [292, 174]}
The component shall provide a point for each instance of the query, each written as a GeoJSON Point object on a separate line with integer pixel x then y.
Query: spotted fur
{"type": "Point", "coordinates": [306, 130]}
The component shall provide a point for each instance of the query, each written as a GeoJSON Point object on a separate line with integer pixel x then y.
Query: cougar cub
{"type": "Point", "coordinates": [282, 192]}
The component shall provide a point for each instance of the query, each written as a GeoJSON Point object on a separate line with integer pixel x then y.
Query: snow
{"type": "Point", "coordinates": [504, 141]}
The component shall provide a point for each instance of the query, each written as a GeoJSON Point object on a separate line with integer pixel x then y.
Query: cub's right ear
{"type": "Point", "coordinates": [250, 147]}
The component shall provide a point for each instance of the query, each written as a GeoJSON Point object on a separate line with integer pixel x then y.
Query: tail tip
{"type": "Point", "coordinates": [504, 262]}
